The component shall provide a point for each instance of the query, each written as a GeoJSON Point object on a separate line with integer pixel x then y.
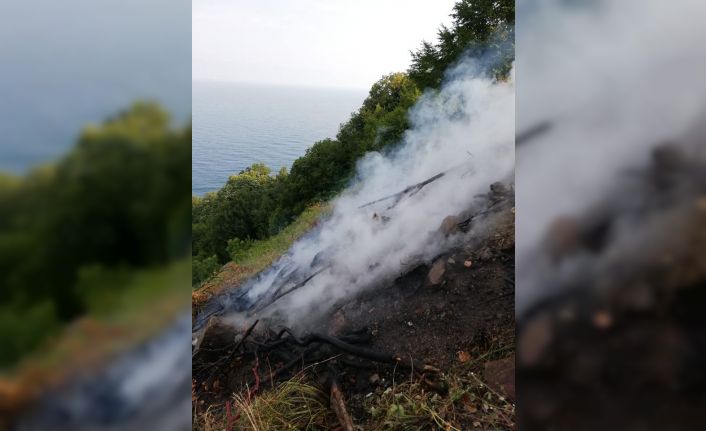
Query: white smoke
{"type": "Point", "coordinates": [615, 79]}
{"type": "Point", "coordinates": [467, 129]}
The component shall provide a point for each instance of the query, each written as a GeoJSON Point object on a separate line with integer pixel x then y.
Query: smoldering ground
{"type": "Point", "coordinates": [465, 130]}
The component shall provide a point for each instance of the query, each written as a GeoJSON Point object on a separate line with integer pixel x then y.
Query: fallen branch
{"type": "Point", "coordinates": [413, 188]}
{"type": "Point", "coordinates": [371, 355]}
{"type": "Point", "coordinates": [246, 335]}
{"type": "Point", "coordinates": [464, 224]}
{"type": "Point", "coordinates": [216, 366]}
{"type": "Point", "coordinates": [291, 364]}
{"type": "Point", "coordinates": [531, 133]}
{"type": "Point", "coordinates": [277, 296]}
{"type": "Point", "coordinates": [339, 407]}
{"type": "Point", "coordinates": [256, 386]}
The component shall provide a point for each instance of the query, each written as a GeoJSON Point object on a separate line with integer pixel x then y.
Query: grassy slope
{"type": "Point", "coordinates": [300, 403]}
{"type": "Point", "coordinates": [143, 302]}
{"type": "Point", "coordinates": [259, 256]}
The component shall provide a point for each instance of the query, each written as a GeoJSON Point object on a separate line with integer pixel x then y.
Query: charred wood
{"type": "Point", "coordinates": [339, 407]}
{"type": "Point", "coordinates": [411, 189]}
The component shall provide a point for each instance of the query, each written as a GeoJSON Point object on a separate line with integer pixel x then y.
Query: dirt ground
{"type": "Point", "coordinates": [455, 313]}
{"type": "Point", "coordinates": [624, 345]}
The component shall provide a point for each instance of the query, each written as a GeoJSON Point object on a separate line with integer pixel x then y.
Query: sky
{"type": "Point", "coordinates": [325, 43]}
{"type": "Point", "coordinates": [68, 63]}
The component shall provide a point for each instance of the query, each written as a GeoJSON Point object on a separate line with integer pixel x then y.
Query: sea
{"type": "Point", "coordinates": [236, 125]}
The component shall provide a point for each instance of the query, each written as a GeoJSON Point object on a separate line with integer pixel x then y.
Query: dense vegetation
{"type": "Point", "coordinates": [113, 205]}
{"type": "Point", "coordinates": [256, 203]}
{"type": "Point", "coordinates": [481, 29]}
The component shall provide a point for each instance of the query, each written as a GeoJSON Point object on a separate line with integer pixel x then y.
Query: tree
{"type": "Point", "coordinates": [480, 29]}
{"type": "Point", "coordinates": [116, 199]}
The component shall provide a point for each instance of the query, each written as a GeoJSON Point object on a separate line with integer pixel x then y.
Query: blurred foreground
{"type": "Point", "coordinates": [611, 215]}
{"type": "Point", "coordinates": [93, 266]}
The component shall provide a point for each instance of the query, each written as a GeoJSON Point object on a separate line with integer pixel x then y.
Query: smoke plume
{"type": "Point", "coordinates": [466, 130]}
{"type": "Point", "coordinates": [615, 80]}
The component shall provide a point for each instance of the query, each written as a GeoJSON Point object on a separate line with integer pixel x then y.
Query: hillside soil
{"type": "Point", "coordinates": [455, 313]}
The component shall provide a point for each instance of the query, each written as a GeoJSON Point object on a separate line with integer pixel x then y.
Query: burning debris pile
{"type": "Point", "coordinates": [144, 388]}
{"type": "Point", "coordinates": [389, 287]}
{"type": "Point", "coordinates": [419, 326]}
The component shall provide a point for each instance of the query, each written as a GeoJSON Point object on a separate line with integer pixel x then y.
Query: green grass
{"type": "Point", "coordinates": [291, 406]}
{"type": "Point", "coordinates": [120, 295]}
{"type": "Point", "coordinates": [408, 405]}
{"type": "Point", "coordinates": [470, 403]}
{"type": "Point", "coordinates": [262, 253]}
{"type": "Point", "coordinates": [258, 255]}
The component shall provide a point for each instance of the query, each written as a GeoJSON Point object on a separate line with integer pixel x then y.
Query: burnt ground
{"type": "Point", "coordinates": [623, 346]}
{"type": "Point", "coordinates": [628, 358]}
{"type": "Point", "coordinates": [466, 309]}
{"type": "Point", "coordinates": [457, 311]}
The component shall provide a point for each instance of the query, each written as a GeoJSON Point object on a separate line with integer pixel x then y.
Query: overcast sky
{"type": "Point", "coordinates": [67, 63]}
{"type": "Point", "coordinates": [333, 43]}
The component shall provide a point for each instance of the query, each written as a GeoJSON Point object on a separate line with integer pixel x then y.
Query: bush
{"type": "Point", "coordinates": [254, 205]}
{"type": "Point", "coordinates": [480, 29]}
{"type": "Point", "coordinates": [116, 199]}
{"type": "Point", "coordinates": [23, 329]}
{"type": "Point", "coordinates": [238, 249]}
{"type": "Point", "coordinates": [202, 268]}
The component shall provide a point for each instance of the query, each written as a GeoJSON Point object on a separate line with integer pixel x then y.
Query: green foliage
{"type": "Point", "coordinates": [326, 167]}
{"type": "Point", "coordinates": [116, 292]}
{"type": "Point", "coordinates": [22, 329]}
{"type": "Point", "coordinates": [242, 209]}
{"type": "Point", "coordinates": [250, 253]}
{"type": "Point", "coordinates": [480, 29]}
{"type": "Point", "coordinates": [254, 205]}
{"type": "Point", "coordinates": [203, 267]}
{"type": "Point", "coordinates": [238, 249]}
{"type": "Point", "coordinates": [254, 256]}
{"type": "Point", "coordinates": [116, 199]}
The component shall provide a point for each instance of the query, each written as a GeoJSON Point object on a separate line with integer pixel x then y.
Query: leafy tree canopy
{"type": "Point", "coordinates": [481, 29]}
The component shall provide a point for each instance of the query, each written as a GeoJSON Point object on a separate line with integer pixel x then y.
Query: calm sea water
{"type": "Point", "coordinates": [236, 125]}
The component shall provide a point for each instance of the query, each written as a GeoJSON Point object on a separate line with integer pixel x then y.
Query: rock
{"type": "Point", "coordinates": [534, 339]}
{"type": "Point", "coordinates": [701, 204]}
{"type": "Point", "coordinates": [636, 297]}
{"type": "Point", "coordinates": [665, 356]}
{"type": "Point", "coordinates": [500, 376]}
{"type": "Point", "coordinates": [602, 319]}
{"type": "Point", "coordinates": [668, 157]}
{"type": "Point", "coordinates": [338, 321]}
{"type": "Point", "coordinates": [374, 379]}
{"type": "Point", "coordinates": [484, 254]}
{"type": "Point", "coordinates": [567, 314]}
{"type": "Point", "coordinates": [449, 226]}
{"type": "Point", "coordinates": [436, 273]}
{"type": "Point", "coordinates": [563, 237]}
{"type": "Point", "coordinates": [498, 188]}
